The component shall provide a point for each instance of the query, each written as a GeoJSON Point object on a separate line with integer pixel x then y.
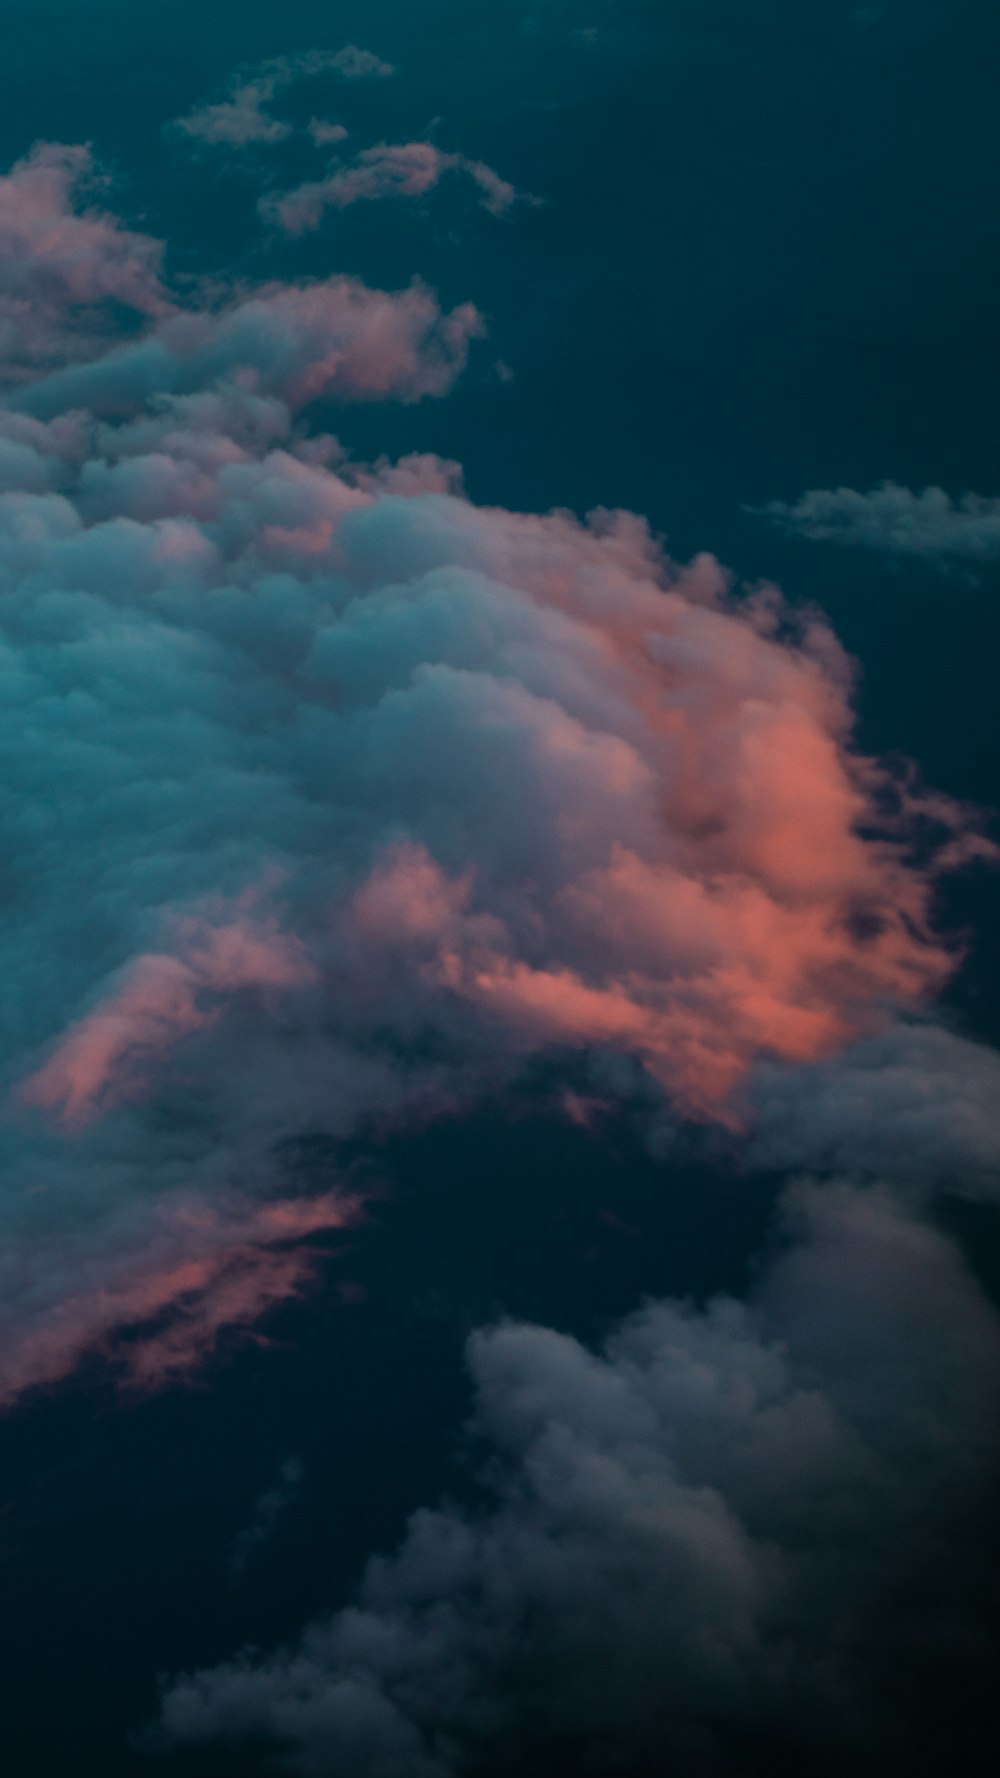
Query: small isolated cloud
{"type": "Point", "coordinates": [389, 170]}
{"type": "Point", "coordinates": [324, 131]}
{"type": "Point", "coordinates": [241, 119]}
{"type": "Point", "coordinates": [268, 1513]}
{"type": "Point", "coordinates": [360, 64]}
{"type": "Point", "coordinates": [895, 521]}
{"type": "Point", "coordinates": [70, 272]}
{"type": "Point", "coordinates": [238, 121]}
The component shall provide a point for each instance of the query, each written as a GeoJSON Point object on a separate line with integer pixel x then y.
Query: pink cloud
{"type": "Point", "coordinates": [324, 132]}
{"type": "Point", "coordinates": [241, 119]}
{"type": "Point", "coordinates": [202, 1269]}
{"type": "Point", "coordinates": [108, 1056]}
{"type": "Point", "coordinates": [360, 64]}
{"type": "Point", "coordinates": [530, 786]}
{"type": "Point", "coordinates": [336, 339]}
{"type": "Point", "coordinates": [391, 169]}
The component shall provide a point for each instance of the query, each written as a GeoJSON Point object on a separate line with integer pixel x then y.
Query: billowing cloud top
{"type": "Point", "coordinates": [329, 796]}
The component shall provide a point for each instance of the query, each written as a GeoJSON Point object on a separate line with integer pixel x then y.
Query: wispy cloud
{"type": "Point", "coordinates": [895, 521]}
{"type": "Point", "coordinates": [389, 170]}
{"type": "Point", "coordinates": [241, 117]}
{"type": "Point", "coordinates": [270, 1509]}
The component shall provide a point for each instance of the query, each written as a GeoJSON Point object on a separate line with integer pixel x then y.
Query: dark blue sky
{"type": "Point", "coordinates": [766, 260]}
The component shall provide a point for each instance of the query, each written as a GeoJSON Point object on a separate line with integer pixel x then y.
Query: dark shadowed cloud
{"type": "Point", "coordinates": [693, 1541]}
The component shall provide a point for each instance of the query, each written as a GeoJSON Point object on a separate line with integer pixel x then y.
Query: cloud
{"type": "Point", "coordinates": [162, 999]}
{"type": "Point", "coordinates": [269, 1511]}
{"type": "Point", "coordinates": [689, 1544]}
{"type": "Point", "coordinates": [172, 1272]}
{"type": "Point", "coordinates": [324, 132]}
{"type": "Point", "coordinates": [331, 799]}
{"type": "Point", "coordinates": [68, 274]}
{"type": "Point", "coordinates": [360, 64]}
{"type": "Point", "coordinates": [401, 169]}
{"type": "Point", "coordinates": [241, 118]}
{"type": "Point", "coordinates": [894, 521]}
{"type": "Point", "coordinates": [335, 338]}
{"type": "Point", "coordinates": [88, 322]}
{"type": "Point", "coordinates": [918, 1105]}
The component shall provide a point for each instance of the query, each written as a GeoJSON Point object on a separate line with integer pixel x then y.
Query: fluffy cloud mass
{"type": "Point", "coordinates": [329, 797]}
{"type": "Point", "coordinates": [690, 1545]}
{"type": "Point", "coordinates": [895, 521]}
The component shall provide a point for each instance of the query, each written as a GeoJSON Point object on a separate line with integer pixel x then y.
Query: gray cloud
{"type": "Point", "coordinates": [918, 1105]}
{"type": "Point", "coordinates": [895, 521]}
{"type": "Point", "coordinates": [692, 1540]}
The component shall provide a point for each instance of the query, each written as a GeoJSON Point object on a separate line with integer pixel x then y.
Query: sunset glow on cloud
{"type": "Point", "coordinates": [518, 780]}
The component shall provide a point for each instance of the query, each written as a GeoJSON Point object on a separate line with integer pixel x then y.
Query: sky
{"type": "Point", "coordinates": [499, 562]}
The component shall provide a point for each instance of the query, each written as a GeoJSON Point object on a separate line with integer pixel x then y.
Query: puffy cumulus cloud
{"type": "Point", "coordinates": [86, 321]}
{"type": "Point", "coordinates": [149, 1279]}
{"type": "Point", "coordinates": [360, 64]}
{"type": "Point", "coordinates": [69, 271]}
{"type": "Point", "coordinates": [389, 170]}
{"type": "Point", "coordinates": [688, 1550]}
{"type": "Point", "coordinates": [241, 119]}
{"type": "Point", "coordinates": [895, 521]}
{"type": "Point", "coordinates": [329, 798]}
